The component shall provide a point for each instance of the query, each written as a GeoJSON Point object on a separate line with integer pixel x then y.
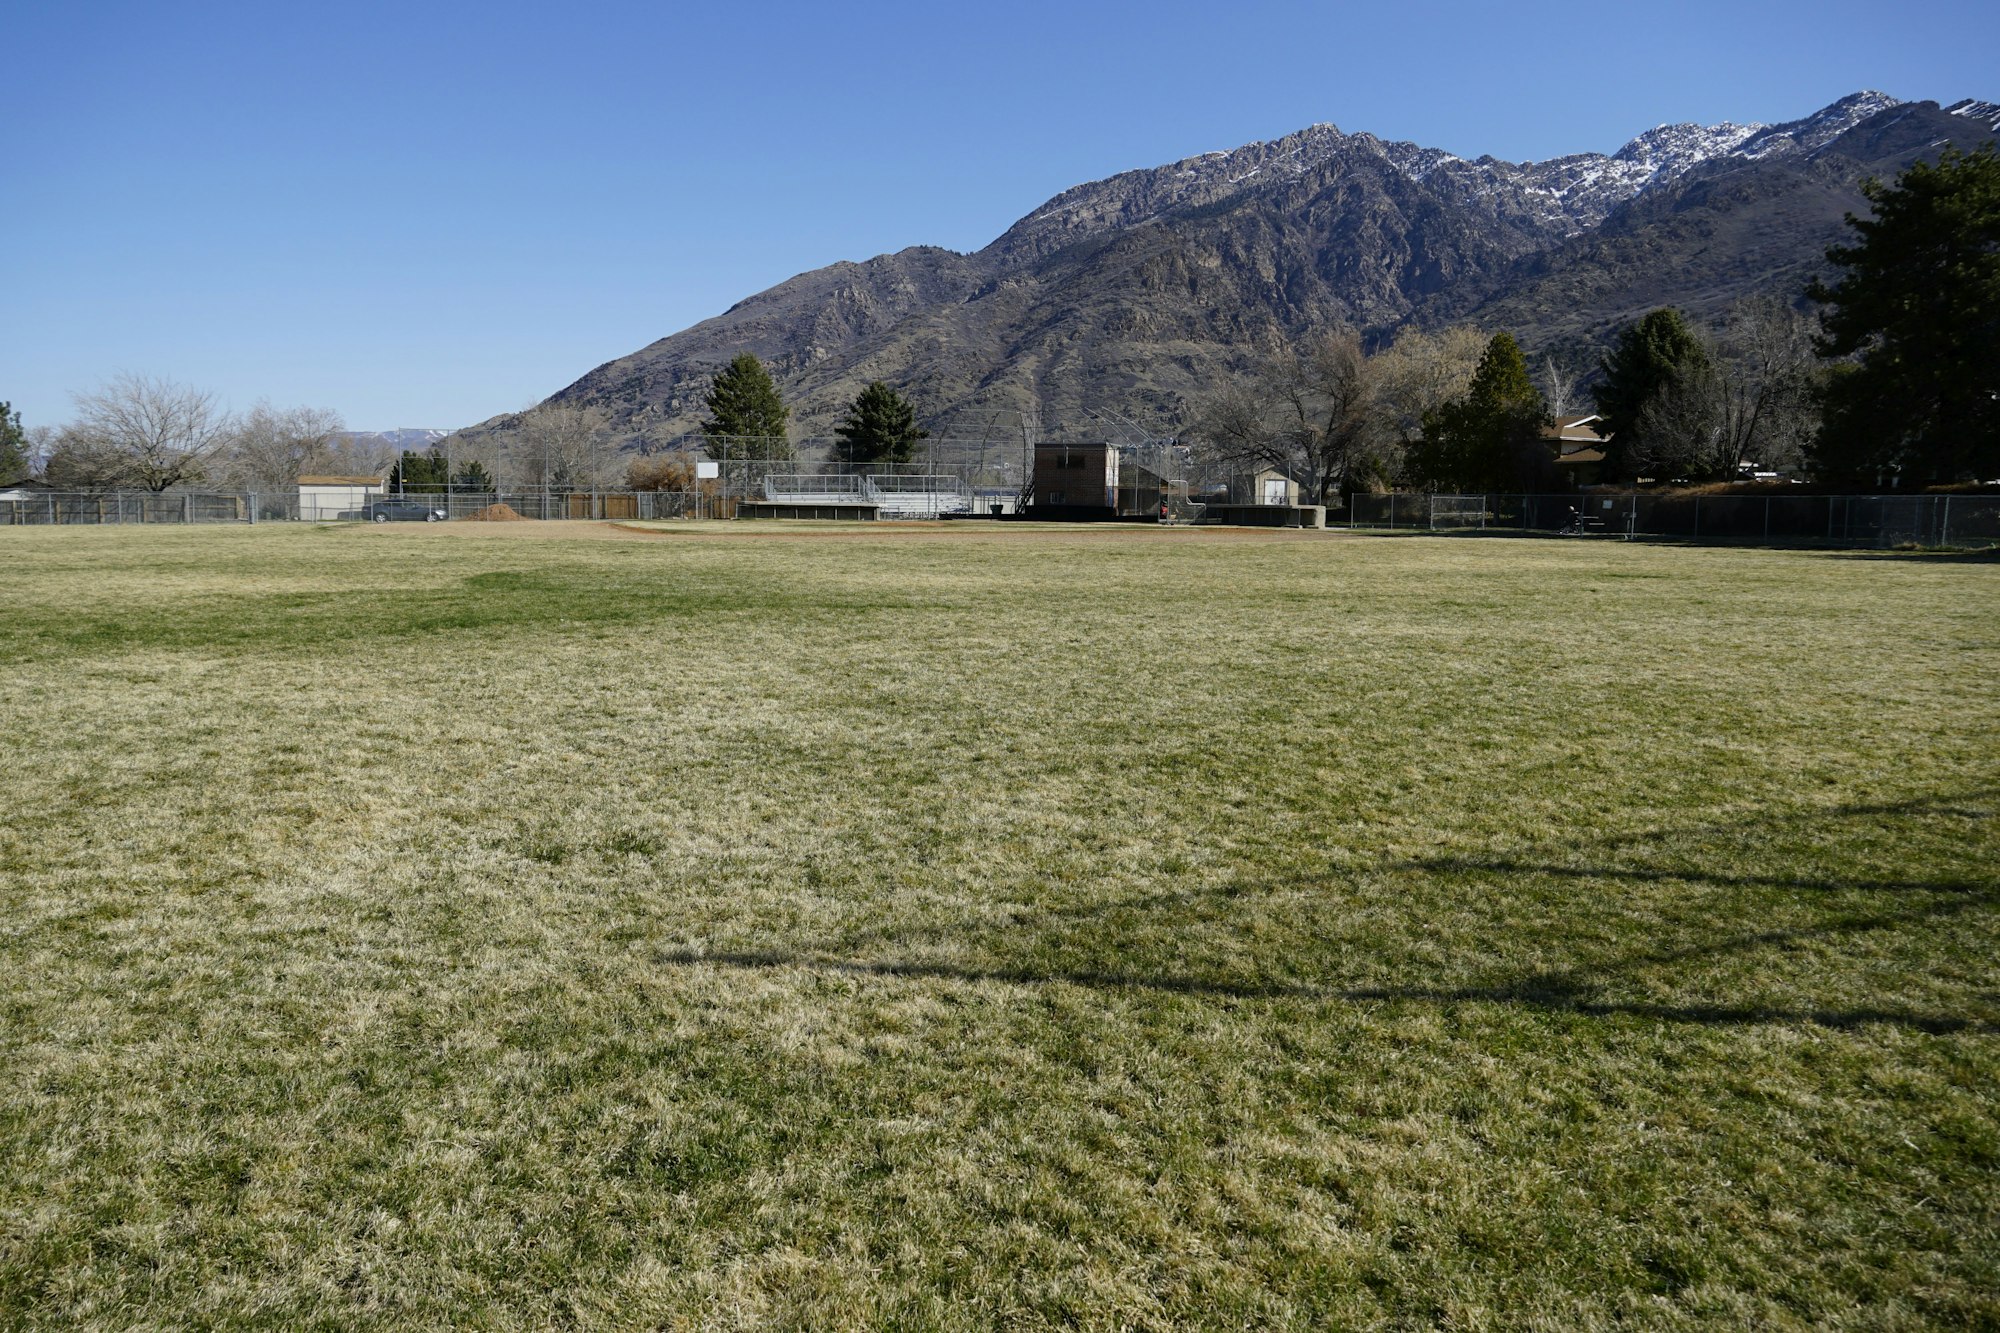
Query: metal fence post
{"type": "Point", "coordinates": [1697, 518]}
{"type": "Point", "coordinates": [1944, 524]}
{"type": "Point", "coordinates": [1767, 518]}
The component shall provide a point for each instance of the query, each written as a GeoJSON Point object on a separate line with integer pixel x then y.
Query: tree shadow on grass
{"type": "Point", "coordinates": [1555, 993]}
{"type": "Point", "coordinates": [1509, 866]}
{"type": "Point", "coordinates": [1974, 804]}
{"type": "Point", "coordinates": [1987, 555]}
{"type": "Point", "coordinates": [1579, 990]}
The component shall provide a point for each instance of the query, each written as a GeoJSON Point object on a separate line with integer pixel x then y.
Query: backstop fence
{"type": "Point", "coordinates": [1831, 520]}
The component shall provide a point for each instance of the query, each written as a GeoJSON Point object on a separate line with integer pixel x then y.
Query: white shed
{"type": "Point", "coordinates": [322, 498]}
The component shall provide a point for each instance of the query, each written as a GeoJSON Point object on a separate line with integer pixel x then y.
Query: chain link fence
{"type": "Point", "coordinates": [96, 507]}
{"type": "Point", "coordinates": [1829, 520]}
{"type": "Point", "coordinates": [92, 508]}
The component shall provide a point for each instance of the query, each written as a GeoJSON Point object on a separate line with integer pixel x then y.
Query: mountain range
{"type": "Point", "coordinates": [396, 441]}
{"type": "Point", "coordinates": [1136, 294]}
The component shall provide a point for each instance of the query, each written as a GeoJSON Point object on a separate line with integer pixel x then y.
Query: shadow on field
{"type": "Point", "coordinates": [1975, 804]}
{"type": "Point", "coordinates": [1578, 990]}
{"type": "Point", "coordinates": [1989, 555]}
{"type": "Point", "coordinates": [1457, 865]}
{"type": "Point", "coordinates": [1555, 993]}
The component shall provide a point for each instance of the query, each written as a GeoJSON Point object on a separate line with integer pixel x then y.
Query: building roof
{"type": "Point", "coordinates": [340, 481]}
{"type": "Point", "coordinates": [1577, 429]}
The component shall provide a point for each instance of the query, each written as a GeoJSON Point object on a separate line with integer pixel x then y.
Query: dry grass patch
{"type": "Point", "coordinates": [402, 929]}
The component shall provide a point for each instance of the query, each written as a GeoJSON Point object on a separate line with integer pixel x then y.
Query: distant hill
{"type": "Point", "coordinates": [1137, 294]}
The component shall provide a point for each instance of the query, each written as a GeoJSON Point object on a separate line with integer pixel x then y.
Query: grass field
{"type": "Point", "coordinates": [547, 926]}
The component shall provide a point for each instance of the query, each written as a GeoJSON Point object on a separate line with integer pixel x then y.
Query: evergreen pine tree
{"type": "Point", "coordinates": [1648, 358]}
{"type": "Point", "coordinates": [1919, 304]}
{"type": "Point", "coordinates": [13, 445]}
{"type": "Point", "coordinates": [880, 427]}
{"type": "Point", "coordinates": [473, 476]}
{"type": "Point", "coordinates": [744, 404]}
{"type": "Point", "coordinates": [1491, 439]}
{"type": "Point", "coordinates": [418, 472]}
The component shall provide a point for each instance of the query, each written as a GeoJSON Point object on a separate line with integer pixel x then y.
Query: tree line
{"type": "Point", "coordinates": [1899, 383]}
{"type": "Point", "coordinates": [140, 433]}
{"type": "Point", "coordinates": [135, 432]}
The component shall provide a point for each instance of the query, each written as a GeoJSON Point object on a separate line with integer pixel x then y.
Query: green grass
{"type": "Point", "coordinates": [1137, 930]}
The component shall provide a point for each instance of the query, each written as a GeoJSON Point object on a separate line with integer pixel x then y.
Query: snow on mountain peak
{"type": "Point", "coordinates": [1569, 194]}
{"type": "Point", "coordinates": [1986, 113]}
{"type": "Point", "coordinates": [1672, 149]}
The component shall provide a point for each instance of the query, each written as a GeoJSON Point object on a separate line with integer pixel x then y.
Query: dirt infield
{"type": "Point", "coordinates": [981, 531]}
{"type": "Point", "coordinates": [541, 529]}
{"type": "Point", "coordinates": [724, 530]}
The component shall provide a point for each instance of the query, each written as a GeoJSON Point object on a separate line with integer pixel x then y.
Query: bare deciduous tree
{"type": "Point", "coordinates": [143, 432]}
{"type": "Point", "coordinates": [76, 461]}
{"type": "Point", "coordinates": [272, 448]}
{"type": "Point", "coordinates": [1558, 386]}
{"type": "Point", "coordinates": [1422, 372]}
{"type": "Point", "coordinates": [1310, 415]}
{"type": "Point", "coordinates": [1770, 409]}
{"type": "Point", "coordinates": [41, 445]}
{"type": "Point", "coordinates": [563, 446]}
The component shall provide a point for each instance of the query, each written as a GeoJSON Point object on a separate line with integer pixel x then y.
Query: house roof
{"type": "Point", "coordinates": [1576, 428]}
{"type": "Point", "coordinates": [1578, 457]}
{"type": "Point", "coordinates": [340, 481]}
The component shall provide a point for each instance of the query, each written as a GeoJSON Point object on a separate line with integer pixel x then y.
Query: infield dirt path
{"type": "Point", "coordinates": [722, 530]}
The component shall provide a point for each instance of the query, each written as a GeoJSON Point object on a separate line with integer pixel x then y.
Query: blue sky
{"type": "Point", "coordinates": [424, 214]}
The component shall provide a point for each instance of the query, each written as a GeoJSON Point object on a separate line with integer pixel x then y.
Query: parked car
{"type": "Point", "coordinates": [401, 509]}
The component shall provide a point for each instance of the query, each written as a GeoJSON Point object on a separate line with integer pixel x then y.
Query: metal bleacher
{"type": "Point", "coordinates": [812, 489]}
{"type": "Point", "coordinates": [893, 496]}
{"type": "Point", "coordinates": [920, 496]}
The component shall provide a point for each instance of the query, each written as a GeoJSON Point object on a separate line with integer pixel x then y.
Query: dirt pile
{"type": "Point", "coordinates": [500, 513]}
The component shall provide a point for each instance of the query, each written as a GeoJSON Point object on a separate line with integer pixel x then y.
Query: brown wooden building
{"type": "Point", "coordinates": [1075, 481]}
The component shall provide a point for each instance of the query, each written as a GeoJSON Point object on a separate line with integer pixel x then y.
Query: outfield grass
{"type": "Point", "coordinates": [804, 929]}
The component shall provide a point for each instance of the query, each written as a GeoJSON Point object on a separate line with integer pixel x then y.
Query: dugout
{"type": "Point", "coordinates": [850, 510]}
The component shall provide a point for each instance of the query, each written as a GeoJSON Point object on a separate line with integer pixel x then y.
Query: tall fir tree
{"type": "Point", "coordinates": [743, 404]}
{"type": "Point", "coordinates": [1491, 439]}
{"type": "Point", "coordinates": [1649, 358]}
{"type": "Point", "coordinates": [415, 471]}
{"type": "Point", "coordinates": [880, 427]}
{"type": "Point", "coordinates": [1918, 304]}
{"type": "Point", "coordinates": [13, 445]}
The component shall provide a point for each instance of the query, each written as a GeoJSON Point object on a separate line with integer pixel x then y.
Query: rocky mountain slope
{"type": "Point", "coordinates": [1137, 293]}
